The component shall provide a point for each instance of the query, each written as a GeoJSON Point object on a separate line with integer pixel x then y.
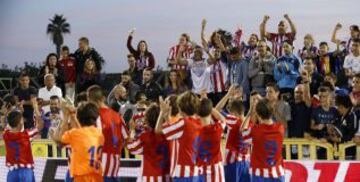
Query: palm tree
{"type": "Point", "coordinates": [56, 29]}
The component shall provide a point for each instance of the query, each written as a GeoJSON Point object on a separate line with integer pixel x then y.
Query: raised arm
{"type": "Point", "coordinates": [221, 104]}
{"type": "Point", "coordinates": [203, 39]}
{"type": "Point", "coordinates": [164, 111]}
{"type": "Point", "coordinates": [217, 115]}
{"type": "Point", "coordinates": [39, 123]}
{"type": "Point", "coordinates": [129, 40]}
{"type": "Point", "coordinates": [263, 33]}
{"type": "Point", "coordinates": [291, 23]}
{"type": "Point", "coordinates": [333, 37]}
{"type": "Point", "coordinates": [306, 94]}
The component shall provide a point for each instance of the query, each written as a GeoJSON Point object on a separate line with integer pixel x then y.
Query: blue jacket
{"type": "Point", "coordinates": [287, 71]}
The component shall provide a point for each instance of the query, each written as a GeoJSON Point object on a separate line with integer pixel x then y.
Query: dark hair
{"type": "Point", "coordinates": [81, 97]}
{"type": "Point", "coordinates": [87, 114]}
{"type": "Point", "coordinates": [1, 102]}
{"type": "Point", "coordinates": [138, 95]}
{"type": "Point", "coordinates": [273, 86]}
{"type": "Point", "coordinates": [323, 43]}
{"type": "Point", "coordinates": [9, 100]}
{"type": "Point", "coordinates": [148, 69]}
{"type": "Point", "coordinates": [357, 40]}
{"type": "Point", "coordinates": [328, 85]}
{"type": "Point", "coordinates": [234, 51]}
{"type": "Point", "coordinates": [357, 75]}
{"type": "Point", "coordinates": [188, 103]}
{"type": "Point", "coordinates": [263, 109]}
{"type": "Point", "coordinates": [95, 93]}
{"type": "Point", "coordinates": [307, 57]}
{"type": "Point", "coordinates": [65, 48]}
{"type": "Point", "coordinates": [146, 45]}
{"type": "Point", "coordinates": [355, 28]}
{"type": "Point", "coordinates": [330, 74]}
{"type": "Point", "coordinates": [187, 37]}
{"type": "Point", "coordinates": [50, 55]}
{"type": "Point", "coordinates": [24, 74]}
{"type": "Point", "coordinates": [14, 118]}
{"type": "Point", "coordinates": [84, 39]}
{"type": "Point", "coordinates": [152, 114]}
{"type": "Point", "coordinates": [130, 55]}
{"type": "Point", "coordinates": [343, 100]}
{"type": "Point", "coordinates": [236, 106]}
{"type": "Point", "coordinates": [254, 92]}
{"type": "Point", "coordinates": [324, 89]}
{"type": "Point", "coordinates": [54, 97]}
{"type": "Point", "coordinates": [205, 107]}
{"type": "Point", "coordinates": [173, 105]}
{"type": "Point", "coordinates": [126, 72]}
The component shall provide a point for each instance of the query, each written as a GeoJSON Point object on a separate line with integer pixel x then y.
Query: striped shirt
{"type": "Point", "coordinates": [219, 76]}
{"type": "Point", "coordinates": [184, 137]}
{"type": "Point", "coordinates": [210, 156]}
{"type": "Point", "coordinates": [115, 132]}
{"type": "Point", "coordinates": [266, 156]}
{"type": "Point", "coordinates": [174, 51]}
{"type": "Point", "coordinates": [18, 148]}
{"type": "Point", "coordinates": [277, 42]}
{"type": "Point", "coordinates": [155, 151]}
{"type": "Point", "coordinates": [236, 148]}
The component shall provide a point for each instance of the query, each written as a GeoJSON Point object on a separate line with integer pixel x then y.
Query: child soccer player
{"type": "Point", "coordinates": [86, 143]}
{"type": "Point", "coordinates": [153, 147]}
{"type": "Point", "coordinates": [236, 151]}
{"type": "Point", "coordinates": [209, 156]}
{"type": "Point", "coordinates": [266, 163]}
{"type": "Point", "coordinates": [114, 131]}
{"type": "Point", "coordinates": [19, 157]}
{"type": "Point", "coordinates": [184, 138]}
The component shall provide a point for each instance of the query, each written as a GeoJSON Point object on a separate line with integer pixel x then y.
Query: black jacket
{"type": "Point", "coordinates": [80, 58]}
{"type": "Point", "coordinates": [152, 91]}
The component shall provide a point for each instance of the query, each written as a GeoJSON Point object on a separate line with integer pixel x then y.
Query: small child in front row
{"type": "Point", "coordinates": [209, 155]}
{"type": "Point", "coordinates": [153, 147]}
{"type": "Point", "coordinates": [266, 162]}
{"type": "Point", "coordinates": [86, 143]}
{"type": "Point", "coordinates": [19, 157]}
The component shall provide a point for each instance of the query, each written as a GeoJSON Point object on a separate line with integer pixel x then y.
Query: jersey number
{"type": "Point", "coordinates": [271, 148]}
{"type": "Point", "coordinates": [16, 147]}
{"type": "Point", "coordinates": [95, 162]}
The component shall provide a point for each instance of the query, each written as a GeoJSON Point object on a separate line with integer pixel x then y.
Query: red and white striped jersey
{"type": "Point", "coordinates": [277, 41]}
{"type": "Point", "coordinates": [139, 121]}
{"type": "Point", "coordinates": [115, 132]}
{"type": "Point", "coordinates": [184, 138]}
{"type": "Point", "coordinates": [209, 156]}
{"type": "Point", "coordinates": [155, 151]}
{"type": "Point", "coordinates": [18, 149]}
{"type": "Point", "coordinates": [266, 156]}
{"type": "Point", "coordinates": [174, 52]}
{"type": "Point", "coordinates": [219, 76]}
{"type": "Point", "coordinates": [236, 148]}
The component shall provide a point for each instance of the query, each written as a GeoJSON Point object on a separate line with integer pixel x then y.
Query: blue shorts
{"type": "Point", "coordinates": [21, 174]}
{"type": "Point", "coordinates": [237, 171]}
{"type": "Point", "coordinates": [68, 178]}
{"type": "Point", "coordinates": [189, 179]}
{"type": "Point", "coordinates": [111, 179]}
{"type": "Point", "coordinates": [262, 179]}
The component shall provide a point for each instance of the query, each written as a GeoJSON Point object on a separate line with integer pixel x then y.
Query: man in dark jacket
{"type": "Point", "coordinates": [85, 52]}
{"type": "Point", "coordinates": [150, 87]}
